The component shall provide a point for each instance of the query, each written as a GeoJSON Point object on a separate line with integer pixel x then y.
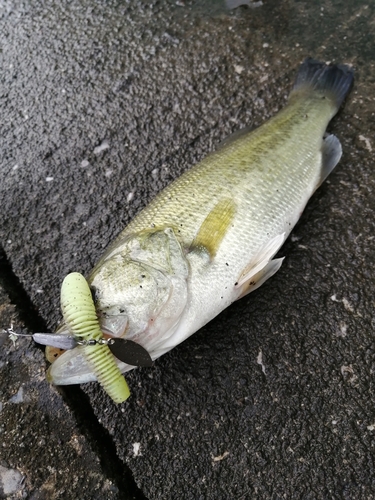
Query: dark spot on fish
{"type": "Point", "coordinates": [143, 275]}
{"type": "Point", "coordinates": [140, 286]}
{"type": "Point", "coordinates": [252, 283]}
{"type": "Point", "coordinates": [236, 283]}
{"type": "Point", "coordinates": [226, 264]}
{"type": "Point", "coordinates": [122, 311]}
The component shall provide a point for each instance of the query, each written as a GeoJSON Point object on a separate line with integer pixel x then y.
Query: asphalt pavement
{"type": "Point", "coordinates": [102, 105]}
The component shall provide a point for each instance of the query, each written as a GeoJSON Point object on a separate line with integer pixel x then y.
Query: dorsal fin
{"type": "Point", "coordinates": [234, 136]}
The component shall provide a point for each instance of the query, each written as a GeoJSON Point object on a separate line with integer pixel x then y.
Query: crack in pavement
{"type": "Point", "coordinates": [78, 402]}
{"type": "Point", "coordinates": [18, 296]}
{"type": "Point", "coordinates": [101, 443]}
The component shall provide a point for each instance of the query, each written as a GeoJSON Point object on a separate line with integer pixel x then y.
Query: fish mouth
{"type": "Point", "coordinates": [114, 325]}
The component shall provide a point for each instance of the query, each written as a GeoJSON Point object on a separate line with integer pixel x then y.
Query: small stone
{"type": "Point", "coordinates": [18, 397]}
{"type": "Point", "coordinates": [238, 68]}
{"type": "Point", "coordinates": [10, 480]}
{"type": "Point", "coordinates": [104, 145]}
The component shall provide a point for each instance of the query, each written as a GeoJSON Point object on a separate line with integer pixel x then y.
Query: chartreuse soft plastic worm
{"type": "Point", "coordinates": [80, 316]}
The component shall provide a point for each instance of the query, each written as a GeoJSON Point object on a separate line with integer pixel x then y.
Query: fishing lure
{"type": "Point", "coordinates": [80, 316]}
{"type": "Point", "coordinates": [81, 319]}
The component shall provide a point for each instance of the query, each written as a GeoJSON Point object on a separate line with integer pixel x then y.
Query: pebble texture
{"type": "Point", "coordinates": [102, 105]}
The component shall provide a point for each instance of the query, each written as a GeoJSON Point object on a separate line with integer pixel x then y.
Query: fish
{"type": "Point", "coordinates": [210, 237]}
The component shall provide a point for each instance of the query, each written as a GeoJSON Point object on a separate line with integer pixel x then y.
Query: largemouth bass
{"type": "Point", "coordinates": [209, 238]}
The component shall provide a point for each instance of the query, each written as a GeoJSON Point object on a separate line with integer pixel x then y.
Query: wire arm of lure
{"type": "Point", "coordinates": [125, 350]}
{"type": "Point", "coordinates": [52, 339]}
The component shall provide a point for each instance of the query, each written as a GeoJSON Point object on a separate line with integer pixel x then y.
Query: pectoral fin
{"type": "Point", "coordinates": [260, 260]}
{"type": "Point", "coordinates": [72, 367]}
{"type": "Point", "coordinates": [215, 226]}
{"type": "Point", "coordinates": [262, 276]}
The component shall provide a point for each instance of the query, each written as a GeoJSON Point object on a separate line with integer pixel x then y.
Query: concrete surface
{"type": "Point", "coordinates": [48, 450]}
{"type": "Point", "coordinates": [102, 105]}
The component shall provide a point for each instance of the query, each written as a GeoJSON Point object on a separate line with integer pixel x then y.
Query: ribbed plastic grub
{"type": "Point", "coordinates": [80, 317]}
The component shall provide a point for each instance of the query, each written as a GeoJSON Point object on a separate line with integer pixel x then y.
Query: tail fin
{"type": "Point", "coordinates": [331, 81]}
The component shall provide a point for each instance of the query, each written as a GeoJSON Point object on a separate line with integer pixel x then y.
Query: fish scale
{"type": "Point", "coordinates": [276, 179]}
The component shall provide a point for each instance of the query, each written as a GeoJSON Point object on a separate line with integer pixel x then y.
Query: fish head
{"type": "Point", "coordinates": [136, 300]}
{"type": "Point", "coordinates": [140, 292]}
{"type": "Point", "coordinates": [140, 287]}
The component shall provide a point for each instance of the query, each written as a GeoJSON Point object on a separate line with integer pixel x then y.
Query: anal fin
{"type": "Point", "coordinates": [261, 277]}
{"type": "Point", "coordinates": [260, 259]}
{"type": "Point", "coordinates": [331, 154]}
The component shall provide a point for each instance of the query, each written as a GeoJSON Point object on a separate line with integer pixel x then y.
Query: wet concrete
{"type": "Point", "coordinates": [157, 85]}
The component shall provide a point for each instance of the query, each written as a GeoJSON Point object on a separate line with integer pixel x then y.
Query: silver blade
{"type": "Point", "coordinates": [55, 340]}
